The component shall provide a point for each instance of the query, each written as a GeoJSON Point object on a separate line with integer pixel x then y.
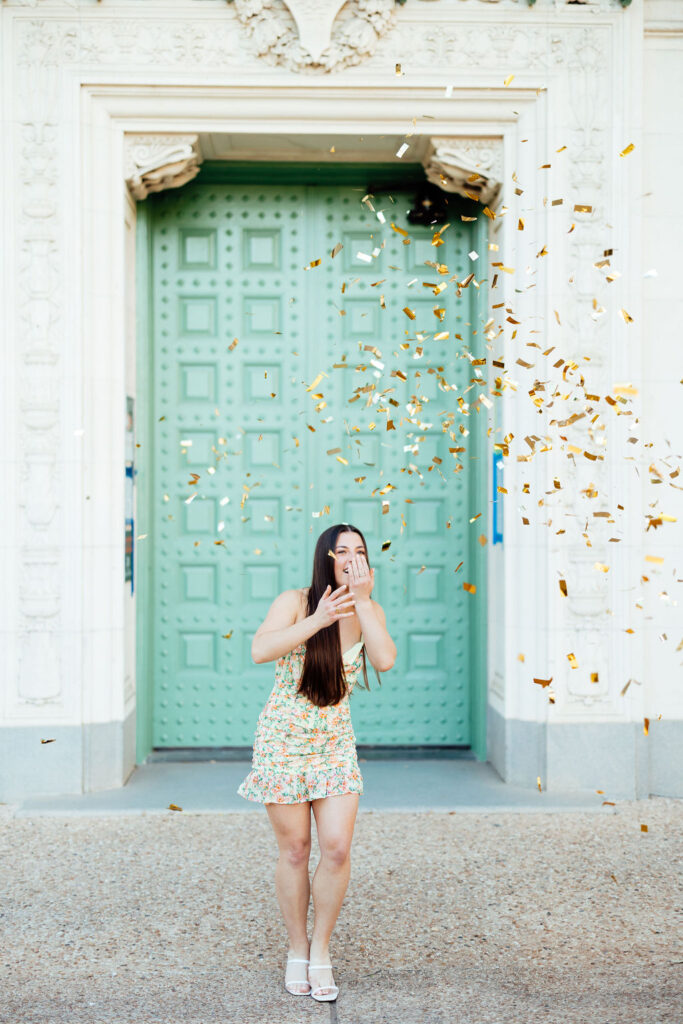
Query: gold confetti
{"type": "Point", "coordinates": [232, 344]}
{"type": "Point", "coordinates": [571, 658]}
{"type": "Point", "coordinates": [386, 545]}
{"type": "Point", "coordinates": [646, 726]}
{"type": "Point", "coordinates": [520, 657]}
{"type": "Point", "coordinates": [313, 263]}
{"type": "Point", "coordinates": [563, 587]}
{"type": "Point", "coordinates": [538, 783]}
{"type": "Point", "coordinates": [226, 636]}
{"type": "Point", "coordinates": [337, 249]}
{"type": "Point", "coordinates": [582, 208]}
{"type": "Point", "coordinates": [316, 381]}
{"type": "Point", "coordinates": [409, 312]}
{"type": "Point", "coordinates": [543, 682]}
{"type": "Point", "coordinates": [627, 316]}
{"type": "Point", "coordinates": [655, 559]}
{"type": "Point", "coordinates": [471, 588]}
{"type": "Point", "coordinates": [174, 807]}
{"type": "Point", "coordinates": [49, 741]}
{"type": "Point", "coordinates": [398, 69]}
{"type": "Point", "coordinates": [508, 80]}
{"type": "Point", "coordinates": [343, 461]}
{"type": "Point", "coordinates": [629, 149]}
{"type": "Point", "coordinates": [643, 828]}
{"type": "Point", "coordinates": [483, 540]}
{"type": "Point", "coordinates": [601, 567]}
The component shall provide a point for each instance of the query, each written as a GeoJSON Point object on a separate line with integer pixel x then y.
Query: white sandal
{"type": "Point", "coordinates": [329, 996]}
{"type": "Point", "coordinates": [292, 981]}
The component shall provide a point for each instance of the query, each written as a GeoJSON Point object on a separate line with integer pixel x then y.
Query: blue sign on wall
{"type": "Point", "coordinates": [497, 498]}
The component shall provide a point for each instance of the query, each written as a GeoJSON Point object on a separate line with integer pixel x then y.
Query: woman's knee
{"type": "Point", "coordinates": [336, 850]}
{"type": "Point", "coordinates": [296, 851]}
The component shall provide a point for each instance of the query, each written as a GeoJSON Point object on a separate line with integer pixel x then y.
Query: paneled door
{"type": "Point", "coordinates": [309, 365]}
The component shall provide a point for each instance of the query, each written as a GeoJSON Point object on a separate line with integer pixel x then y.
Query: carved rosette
{"type": "Point", "coordinates": [315, 35]}
{"type": "Point", "coordinates": [157, 162]}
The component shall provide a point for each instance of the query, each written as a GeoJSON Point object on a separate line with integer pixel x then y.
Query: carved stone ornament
{"type": "Point", "coordinates": [450, 163]}
{"type": "Point", "coordinates": [157, 162]}
{"type": "Point", "coordinates": [315, 35]}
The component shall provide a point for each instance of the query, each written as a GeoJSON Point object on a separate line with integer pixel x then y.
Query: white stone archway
{"type": "Point", "coordinates": [80, 84]}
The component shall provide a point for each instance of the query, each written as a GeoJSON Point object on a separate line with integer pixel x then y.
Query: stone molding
{"type": "Point", "coordinates": [154, 163]}
{"type": "Point", "coordinates": [450, 162]}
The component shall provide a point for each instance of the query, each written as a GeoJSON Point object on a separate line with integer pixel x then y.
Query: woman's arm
{"type": "Point", "coordinates": [280, 632]}
{"type": "Point", "coordinates": [379, 645]}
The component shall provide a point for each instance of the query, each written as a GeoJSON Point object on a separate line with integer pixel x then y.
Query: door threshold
{"type": "Point", "coordinates": [368, 752]}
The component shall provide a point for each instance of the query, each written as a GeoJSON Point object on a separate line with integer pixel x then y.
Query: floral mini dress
{"type": "Point", "coordinates": [301, 751]}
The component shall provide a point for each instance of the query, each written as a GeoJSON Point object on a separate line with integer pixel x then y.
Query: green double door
{"type": "Point", "coordinates": [291, 389]}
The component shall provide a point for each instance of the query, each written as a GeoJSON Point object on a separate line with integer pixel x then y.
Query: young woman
{"type": "Point", "coordinates": [304, 746]}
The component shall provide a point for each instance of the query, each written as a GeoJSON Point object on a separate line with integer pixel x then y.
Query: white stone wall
{"type": "Point", "coordinates": [77, 78]}
{"type": "Point", "coordinates": [661, 617]}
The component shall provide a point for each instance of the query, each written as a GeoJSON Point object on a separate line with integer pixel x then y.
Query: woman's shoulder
{"type": "Point", "coordinates": [298, 597]}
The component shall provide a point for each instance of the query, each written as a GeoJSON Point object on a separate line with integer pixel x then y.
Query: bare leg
{"type": "Point", "coordinates": [335, 818]}
{"type": "Point", "coordinates": [292, 826]}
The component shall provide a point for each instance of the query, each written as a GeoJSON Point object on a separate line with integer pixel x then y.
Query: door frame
{"type": "Point", "coordinates": [376, 175]}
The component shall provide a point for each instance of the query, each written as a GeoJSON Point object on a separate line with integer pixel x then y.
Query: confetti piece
{"type": "Point", "coordinates": [520, 657]}
{"type": "Point", "coordinates": [386, 545]}
{"type": "Point", "coordinates": [473, 255]}
{"type": "Point", "coordinates": [313, 263]}
{"type": "Point", "coordinates": [646, 726]}
{"type": "Point", "coordinates": [316, 381]}
{"type": "Point", "coordinates": [232, 344]}
{"type": "Point", "coordinates": [364, 257]}
{"type": "Point", "coordinates": [508, 80]}
{"type": "Point", "coordinates": [601, 567]}
{"type": "Point", "coordinates": [174, 807]}
{"type": "Point", "coordinates": [563, 587]}
{"type": "Point", "coordinates": [627, 316]}
{"type": "Point", "coordinates": [581, 208]}
{"type": "Point", "coordinates": [543, 682]}
{"type": "Point", "coordinates": [571, 658]}
{"type": "Point", "coordinates": [538, 783]}
{"type": "Point", "coordinates": [49, 741]}
{"type": "Point", "coordinates": [409, 312]}
{"type": "Point", "coordinates": [337, 249]}
{"type": "Point", "coordinates": [459, 566]}
{"type": "Point", "coordinates": [398, 69]}
{"type": "Point", "coordinates": [471, 588]}
{"type": "Point", "coordinates": [226, 636]}
{"type": "Point", "coordinates": [629, 149]}
{"type": "Point", "coordinates": [655, 559]}
{"type": "Point", "coordinates": [401, 150]}
{"type": "Point", "coordinates": [643, 828]}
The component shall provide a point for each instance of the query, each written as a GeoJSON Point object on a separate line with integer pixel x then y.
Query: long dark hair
{"type": "Point", "coordinates": [322, 678]}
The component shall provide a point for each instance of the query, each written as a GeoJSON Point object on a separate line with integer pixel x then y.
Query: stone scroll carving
{"type": "Point", "coordinates": [451, 163]}
{"type": "Point", "coordinates": [315, 35]}
{"type": "Point", "coordinates": [157, 162]}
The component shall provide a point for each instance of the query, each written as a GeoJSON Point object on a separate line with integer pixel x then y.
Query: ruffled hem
{"type": "Point", "coordinates": [296, 789]}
